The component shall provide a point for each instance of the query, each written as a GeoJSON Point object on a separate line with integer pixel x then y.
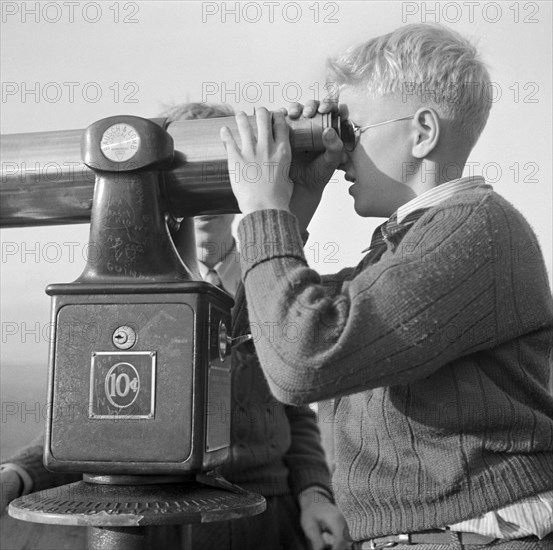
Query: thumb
{"type": "Point", "coordinates": [333, 147]}
{"type": "Point", "coordinates": [313, 534]}
{"type": "Point", "coordinates": [338, 532]}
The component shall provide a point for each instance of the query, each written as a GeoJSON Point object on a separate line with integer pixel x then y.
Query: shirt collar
{"type": "Point", "coordinates": [408, 213]}
{"type": "Point", "coordinates": [228, 270]}
{"type": "Point", "coordinates": [438, 194]}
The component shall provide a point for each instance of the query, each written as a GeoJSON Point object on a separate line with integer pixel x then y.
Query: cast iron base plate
{"type": "Point", "coordinates": [90, 504]}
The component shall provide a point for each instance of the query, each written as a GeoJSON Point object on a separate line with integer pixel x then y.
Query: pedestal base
{"type": "Point", "coordinates": [116, 515]}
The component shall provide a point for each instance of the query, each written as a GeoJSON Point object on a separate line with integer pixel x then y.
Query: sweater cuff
{"type": "Point", "coordinates": [303, 478]}
{"type": "Point", "coordinates": [320, 494]}
{"type": "Point", "coordinates": [268, 234]}
{"type": "Point", "coordinates": [26, 479]}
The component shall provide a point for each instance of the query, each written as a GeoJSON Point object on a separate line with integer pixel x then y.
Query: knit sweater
{"type": "Point", "coordinates": [438, 354]}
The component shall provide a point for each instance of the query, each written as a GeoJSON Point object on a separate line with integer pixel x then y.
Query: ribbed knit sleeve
{"type": "Point", "coordinates": [30, 458]}
{"type": "Point", "coordinates": [305, 457]}
{"type": "Point", "coordinates": [437, 297]}
{"type": "Point", "coordinates": [285, 441]}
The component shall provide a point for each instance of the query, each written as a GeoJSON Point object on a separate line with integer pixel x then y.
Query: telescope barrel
{"type": "Point", "coordinates": [45, 182]}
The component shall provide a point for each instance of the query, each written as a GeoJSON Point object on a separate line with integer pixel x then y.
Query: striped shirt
{"type": "Point", "coordinates": [438, 194]}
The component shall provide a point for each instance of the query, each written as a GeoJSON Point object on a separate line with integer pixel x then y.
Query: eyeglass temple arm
{"type": "Point", "coordinates": [385, 122]}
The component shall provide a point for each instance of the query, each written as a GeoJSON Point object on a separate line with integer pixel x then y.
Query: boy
{"type": "Point", "coordinates": [436, 345]}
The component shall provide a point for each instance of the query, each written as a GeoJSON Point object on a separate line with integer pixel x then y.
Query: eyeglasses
{"type": "Point", "coordinates": [351, 133]}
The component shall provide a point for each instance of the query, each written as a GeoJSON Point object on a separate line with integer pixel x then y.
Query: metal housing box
{"type": "Point", "coordinates": [139, 382]}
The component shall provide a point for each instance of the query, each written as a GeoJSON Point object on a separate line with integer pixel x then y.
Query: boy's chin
{"type": "Point", "coordinates": [363, 210]}
{"type": "Point", "coordinates": [372, 213]}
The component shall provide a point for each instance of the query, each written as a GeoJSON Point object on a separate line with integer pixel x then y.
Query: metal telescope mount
{"type": "Point", "coordinates": [142, 409]}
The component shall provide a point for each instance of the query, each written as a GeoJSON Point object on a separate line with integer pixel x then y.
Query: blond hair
{"type": "Point", "coordinates": [191, 111]}
{"type": "Point", "coordinates": [425, 62]}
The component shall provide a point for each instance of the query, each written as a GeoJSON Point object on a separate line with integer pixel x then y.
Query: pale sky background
{"type": "Point", "coordinates": [142, 56]}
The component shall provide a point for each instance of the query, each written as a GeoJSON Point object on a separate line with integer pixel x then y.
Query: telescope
{"type": "Point", "coordinates": [142, 408]}
{"type": "Point", "coordinates": [44, 180]}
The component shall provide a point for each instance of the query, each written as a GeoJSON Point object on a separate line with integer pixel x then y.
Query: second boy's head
{"type": "Point", "coordinates": [211, 231]}
{"type": "Point", "coordinates": [429, 77]}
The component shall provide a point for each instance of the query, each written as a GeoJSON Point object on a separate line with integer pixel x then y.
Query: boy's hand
{"type": "Point", "coordinates": [322, 523]}
{"type": "Point", "coordinates": [310, 175]}
{"type": "Point", "coordinates": [11, 486]}
{"type": "Point", "coordinates": [259, 170]}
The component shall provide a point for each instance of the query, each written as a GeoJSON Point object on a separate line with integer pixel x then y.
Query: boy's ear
{"type": "Point", "coordinates": [427, 132]}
